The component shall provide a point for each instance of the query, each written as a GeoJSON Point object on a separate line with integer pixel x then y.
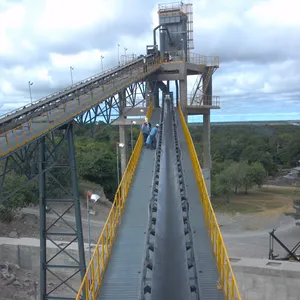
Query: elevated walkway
{"type": "Point", "coordinates": [115, 271]}
{"type": "Point", "coordinates": [49, 116]}
{"type": "Point", "coordinates": [208, 276]}
{"type": "Point", "coordinates": [122, 278]}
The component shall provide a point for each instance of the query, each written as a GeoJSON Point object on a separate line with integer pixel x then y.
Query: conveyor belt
{"type": "Point", "coordinates": [65, 112]}
{"type": "Point", "coordinates": [122, 277]}
{"type": "Point", "coordinates": [205, 260]}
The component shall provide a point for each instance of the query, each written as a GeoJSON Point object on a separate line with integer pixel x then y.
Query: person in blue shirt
{"type": "Point", "coordinates": [145, 132]}
{"type": "Point", "coordinates": [153, 134]}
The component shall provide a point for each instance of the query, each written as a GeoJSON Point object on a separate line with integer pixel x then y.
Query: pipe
{"type": "Point", "coordinates": [168, 33]}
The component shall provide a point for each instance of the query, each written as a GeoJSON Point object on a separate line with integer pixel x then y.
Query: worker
{"type": "Point", "coordinates": [145, 132]}
{"type": "Point", "coordinates": [153, 134]}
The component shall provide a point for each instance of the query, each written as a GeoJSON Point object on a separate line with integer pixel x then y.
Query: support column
{"type": "Point", "coordinates": [58, 178]}
{"type": "Point", "coordinates": [183, 96]}
{"type": "Point", "coordinates": [156, 98]}
{"type": "Point", "coordinates": [43, 228]}
{"type": "Point", "coordinates": [149, 93]}
{"type": "Point", "coordinates": [123, 133]}
{"type": "Point", "coordinates": [206, 152]}
{"type": "Point", "coordinates": [76, 201]}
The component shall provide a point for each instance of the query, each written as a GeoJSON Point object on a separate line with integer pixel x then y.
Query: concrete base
{"type": "Point", "coordinates": [262, 279]}
{"type": "Point", "coordinates": [25, 252]}
{"type": "Point", "coordinates": [258, 279]}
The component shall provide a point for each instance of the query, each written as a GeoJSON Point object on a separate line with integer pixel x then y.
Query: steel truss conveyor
{"type": "Point", "coordinates": [122, 277]}
{"type": "Point", "coordinates": [167, 255]}
{"type": "Point", "coordinates": [169, 267]}
{"type": "Point", "coordinates": [32, 122]}
{"type": "Point", "coordinates": [205, 260]}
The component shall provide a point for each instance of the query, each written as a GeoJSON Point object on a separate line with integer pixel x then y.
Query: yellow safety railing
{"type": "Point", "coordinates": [203, 100]}
{"type": "Point", "coordinates": [96, 268]}
{"type": "Point", "coordinates": [227, 280]}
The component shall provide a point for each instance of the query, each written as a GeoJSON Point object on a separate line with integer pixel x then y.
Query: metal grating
{"type": "Point", "coordinates": [206, 264]}
{"type": "Point", "coordinates": [122, 279]}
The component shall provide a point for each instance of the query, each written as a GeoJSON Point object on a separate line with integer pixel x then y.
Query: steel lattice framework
{"type": "Point", "coordinates": [48, 166]}
{"type": "Point", "coordinates": [111, 108]}
{"type": "Point", "coordinates": [200, 94]}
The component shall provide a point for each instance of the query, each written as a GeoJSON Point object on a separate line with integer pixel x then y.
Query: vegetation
{"type": "Point", "coordinates": [243, 157]}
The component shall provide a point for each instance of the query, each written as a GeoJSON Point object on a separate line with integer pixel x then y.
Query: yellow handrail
{"type": "Point", "coordinates": [227, 280]}
{"type": "Point", "coordinates": [96, 268]}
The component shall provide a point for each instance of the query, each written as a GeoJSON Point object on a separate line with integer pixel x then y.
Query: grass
{"type": "Point", "coordinates": [282, 190]}
{"type": "Point", "coordinates": [253, 202]}
{"type": "Point", "coordinates": [233, 207]}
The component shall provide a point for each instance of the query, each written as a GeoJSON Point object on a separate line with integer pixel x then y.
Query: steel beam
{"type": "Point", "coordinates": [202, 90]}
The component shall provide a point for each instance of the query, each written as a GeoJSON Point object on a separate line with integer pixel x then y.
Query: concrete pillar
{"type": "Point", "coordinates": [123, 151]}
{"type": "Point", "coordinates": [206, 168]}
{"type": "Point", "coordinates": [123, 133]}
{"type": "Point", "coordinates": [149, 93]}
{"type": "Point", "coordinates": [156, 97]}
{"type": "Point", "coordinates": [183, 96]}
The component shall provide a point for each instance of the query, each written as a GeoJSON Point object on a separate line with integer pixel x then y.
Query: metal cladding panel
{"type": "Point", "coordinates": [208, 275]}
{"type": "Point", "coordinates": [169, 19]}
{"type": "Point", "coordinates": [177, 26]}
{"type": "Point", "coordinates": [122, 279]}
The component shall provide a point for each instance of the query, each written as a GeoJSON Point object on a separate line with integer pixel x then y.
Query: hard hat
{"type": "Point", "coordinates": [157, 125]}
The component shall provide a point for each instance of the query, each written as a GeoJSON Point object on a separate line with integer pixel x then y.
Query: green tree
{"type": "Point", "coordinates": [258, 174]}
{"type": "Point", "coordinates": [97, 163]}
{"type": "Point", "coordinates": [222, 187]}
{"type": "Point", "coordinates": [22, 198]}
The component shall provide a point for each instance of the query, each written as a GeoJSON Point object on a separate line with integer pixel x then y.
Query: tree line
{"type": "Point", "coordinates": [243, 156]}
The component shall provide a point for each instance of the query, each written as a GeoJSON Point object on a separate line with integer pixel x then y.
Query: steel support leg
{"type": "Point", "coordinates": [63, 268]}
{"type": "Point", "coordinates": [72, 160]}
{"type": "Point", "coordinates": [42, 193]}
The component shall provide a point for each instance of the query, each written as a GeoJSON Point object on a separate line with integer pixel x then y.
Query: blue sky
{"type": "Point", "coordinates": [257, 42]}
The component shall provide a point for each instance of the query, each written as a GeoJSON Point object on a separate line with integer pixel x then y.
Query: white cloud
{"type": "Point", "coordinates": [12, 18]}
{"type": "Point", "coordinates": [275, 13]}
{"type": "Point", "coordinates": [257, 42]}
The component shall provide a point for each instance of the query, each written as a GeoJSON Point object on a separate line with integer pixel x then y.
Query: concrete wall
{"type": "Point", "coordinates": [258, 279]}
{"type": "Point", "coordinates": [262, 279]}
{"type": "Point", "coordinates": [25, 252]}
